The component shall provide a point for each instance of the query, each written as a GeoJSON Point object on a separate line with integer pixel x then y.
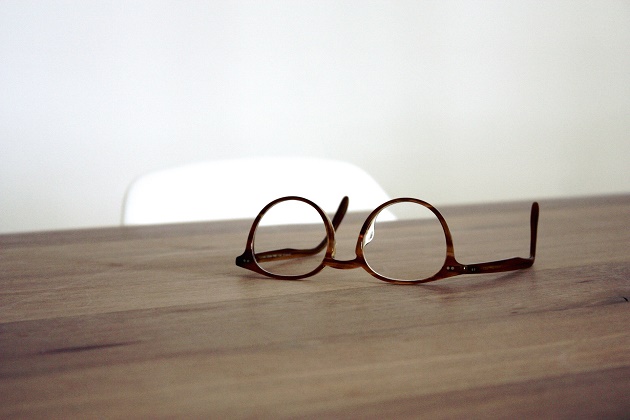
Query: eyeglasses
{"type": "Point", "coordinates": [409, 251]}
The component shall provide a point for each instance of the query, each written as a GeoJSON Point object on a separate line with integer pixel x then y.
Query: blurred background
{"type": "Point", "coordinates": [449, 101]}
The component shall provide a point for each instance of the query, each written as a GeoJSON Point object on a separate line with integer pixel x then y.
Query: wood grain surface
{"type": "Point", "coordinates": [158, 321]}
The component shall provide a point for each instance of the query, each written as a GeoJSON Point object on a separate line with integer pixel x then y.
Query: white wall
{"type": "Point", "coordinates": [450, 101]}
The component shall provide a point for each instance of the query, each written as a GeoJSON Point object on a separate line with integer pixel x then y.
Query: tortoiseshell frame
{"type": "Point", "coordinates": [450, 268]}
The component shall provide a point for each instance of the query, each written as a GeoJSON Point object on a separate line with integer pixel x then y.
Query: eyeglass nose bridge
{"type": "Point", "coordinates": [342, 264]}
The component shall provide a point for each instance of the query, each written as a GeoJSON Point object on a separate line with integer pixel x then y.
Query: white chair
{"type": "Point", "coordinates": [240, 188]}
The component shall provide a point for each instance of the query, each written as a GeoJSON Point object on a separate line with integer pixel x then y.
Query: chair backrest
{"type": "Point", "coordinates": [240, 188]}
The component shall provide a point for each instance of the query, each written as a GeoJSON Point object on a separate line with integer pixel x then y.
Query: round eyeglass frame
{"type": "Point", "coordinates": [451, 267]}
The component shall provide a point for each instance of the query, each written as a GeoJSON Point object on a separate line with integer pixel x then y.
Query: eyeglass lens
{"type": "Point", "coordinates": [414, 248]}
{"type": "Point", "coordinates": [295, 225]}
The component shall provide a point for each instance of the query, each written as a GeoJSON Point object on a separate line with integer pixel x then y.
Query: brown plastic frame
{"type": "Point", "coordinates": [451, 267]}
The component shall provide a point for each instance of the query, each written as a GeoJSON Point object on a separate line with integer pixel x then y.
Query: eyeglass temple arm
{"type": "Point", "coordinates": [287, 253]}
{"type": "Point", "coordinates": [509, 264]}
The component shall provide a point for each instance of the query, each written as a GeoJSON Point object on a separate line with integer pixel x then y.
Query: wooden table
{"type": "Point", "coordinates": [159, 322]}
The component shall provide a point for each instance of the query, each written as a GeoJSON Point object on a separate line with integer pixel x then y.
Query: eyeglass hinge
{"type": "Point", "coordinates": [462, 269]}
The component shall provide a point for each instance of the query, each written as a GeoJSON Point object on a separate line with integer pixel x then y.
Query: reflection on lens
{"type": "Point", "coordinates": [410, 249]}
{"type": "Point", "coordinates": [290, 239]}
